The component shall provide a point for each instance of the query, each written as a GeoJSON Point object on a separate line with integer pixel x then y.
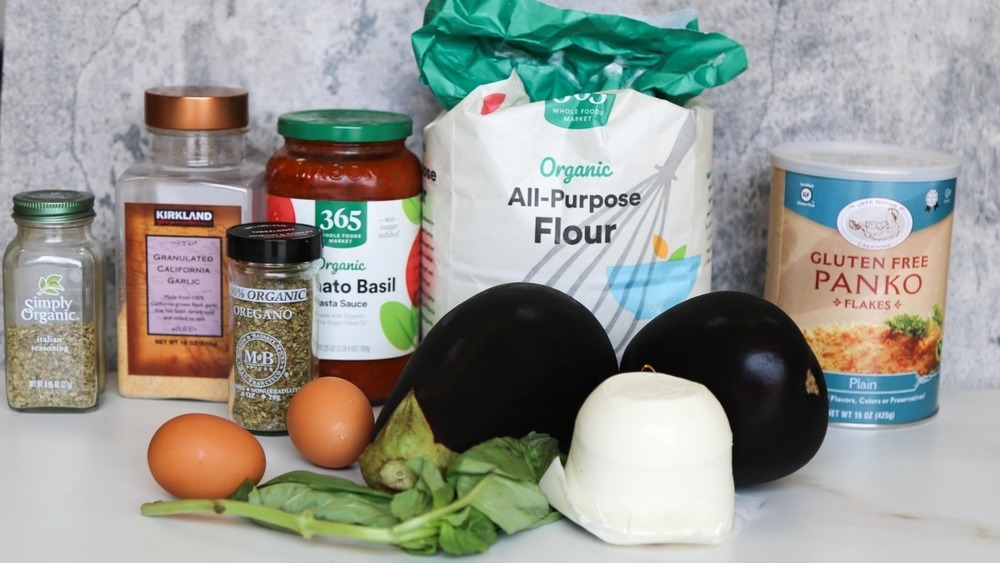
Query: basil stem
{"type": "Point", "coordinates": [301, 523]}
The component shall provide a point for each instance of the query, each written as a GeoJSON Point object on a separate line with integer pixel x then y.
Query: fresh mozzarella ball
{"type": "Point", "coordinates": [652, 455]}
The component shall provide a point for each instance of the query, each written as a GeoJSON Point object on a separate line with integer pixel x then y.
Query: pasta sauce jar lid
{"type": "Point", "coordinates": [197, 108]}
{"type": "Point", "coordinates": [274, 243]}
{"type": "Point", "coordinates": [345, 125]}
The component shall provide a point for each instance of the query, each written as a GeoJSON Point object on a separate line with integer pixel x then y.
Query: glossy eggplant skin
{"type": "Point", "coordinates": [515, 358]}
{"type": "Point", "coordinates": [755, 360]}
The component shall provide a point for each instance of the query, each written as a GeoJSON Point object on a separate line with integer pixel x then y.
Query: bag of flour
{"type": "Point", "coordinates": [568, 159]}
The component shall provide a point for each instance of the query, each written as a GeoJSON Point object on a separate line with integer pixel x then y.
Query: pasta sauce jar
{"type": "Point", "coordinates": [349, 173]}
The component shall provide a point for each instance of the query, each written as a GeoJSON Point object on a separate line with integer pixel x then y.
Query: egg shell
{"type": "Point", "coordinates": [203, 456]}
{"type": "Point", "coordinates": [330, 422]}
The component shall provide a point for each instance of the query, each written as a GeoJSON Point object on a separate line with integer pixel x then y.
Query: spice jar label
{"type": "Point", "coordinates": [51, 352]}
{"type": "Point", "coordinates": [273, 356]}
{"type": "Point", "coordinates": [176, 315]}
{"type": "Point", "coordinates": [184, 294]}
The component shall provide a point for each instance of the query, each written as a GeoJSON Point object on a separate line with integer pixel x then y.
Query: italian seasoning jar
{"type": "Point", "coordinates": [272, 277]}
{"type": "Point", "coordinates": [53, 304]}
{"type": "Point", "coordinates": [349, 173]}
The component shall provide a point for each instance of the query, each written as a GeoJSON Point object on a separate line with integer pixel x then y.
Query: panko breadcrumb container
{"type": "Point", "coordinates": [857, 255]}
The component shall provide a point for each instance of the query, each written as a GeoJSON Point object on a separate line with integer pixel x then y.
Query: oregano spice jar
{"type": "Point", "coordinates": [272, 277]}
{"type": "Point", "coordinates": [53, 304]}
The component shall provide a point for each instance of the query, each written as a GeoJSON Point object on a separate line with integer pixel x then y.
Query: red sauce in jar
{"type": "Point", "coordinates": [349, 173]}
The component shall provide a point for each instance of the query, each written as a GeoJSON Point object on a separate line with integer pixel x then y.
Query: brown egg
{"type": "Point", "coordinates": [204, 456]}
{"type": "Point", "coordinates": [330, 421]}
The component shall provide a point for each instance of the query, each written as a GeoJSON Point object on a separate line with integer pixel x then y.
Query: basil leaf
{"type": "Point", "coordinates": [430, 491]}
{"type": "Point", "coordinates": [501, 473]}
{"type": "Point", "coordinates": [243, 493]}
{"type": "Point", "coordinates": [432, 482]}
{"type": "Point", "coordinates": [525, 459]}
{"type": "Point", "coordinates": [467, 532]}
{"type": "Point", "coordinates": [346, 508]}
{"type": "Point", "coordinates": [539, 450]}
{"type": "Point", "coordinates": [421, 546]}
{"type": "Point", "coordinates": [410, 504]}
{"type": "Point", "coordinates": [511, 505]}
{"type": "Point", "coordinates": [329, 483]}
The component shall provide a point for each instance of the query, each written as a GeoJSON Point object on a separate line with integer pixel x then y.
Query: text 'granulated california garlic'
{"type": "Point", "coordinates": [650, 462]}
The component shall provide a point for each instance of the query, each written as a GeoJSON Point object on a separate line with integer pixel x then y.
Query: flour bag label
{"type": "Point", "coordinates": [605, 196]}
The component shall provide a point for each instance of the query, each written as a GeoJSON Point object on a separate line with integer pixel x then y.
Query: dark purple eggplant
{"type": "Point", "coordinates": [513, 359]}
{"type": "Point", "coordinates": [753, 357]}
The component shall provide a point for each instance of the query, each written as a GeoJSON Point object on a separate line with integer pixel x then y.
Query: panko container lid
{"type": "Point", "coordinates": [865, 161]}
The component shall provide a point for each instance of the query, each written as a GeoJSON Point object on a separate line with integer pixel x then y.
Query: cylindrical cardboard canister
{"type": "Point", "coordinates": [858, 249]}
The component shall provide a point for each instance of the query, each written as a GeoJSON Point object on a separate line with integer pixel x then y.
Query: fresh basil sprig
{"type": "Point", "coordinates": [490, 489]}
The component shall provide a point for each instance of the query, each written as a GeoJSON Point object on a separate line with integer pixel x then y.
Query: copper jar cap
{"type": "Point", "coordinates": [196, 108]}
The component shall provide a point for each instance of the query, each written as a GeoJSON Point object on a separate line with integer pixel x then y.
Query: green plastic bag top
{"type": "Point", "coordinates": [464, 44]}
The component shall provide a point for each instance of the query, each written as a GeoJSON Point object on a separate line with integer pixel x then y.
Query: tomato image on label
{"type": "Point", "coordinates": [279, 209]}
{"type": "Point", "coordinates": [413, 271]}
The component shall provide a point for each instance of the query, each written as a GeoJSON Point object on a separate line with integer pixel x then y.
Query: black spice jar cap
{"type": "Point", "coordinates": [274, 243]}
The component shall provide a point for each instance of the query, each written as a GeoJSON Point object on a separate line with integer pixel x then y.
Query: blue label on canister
{"type": "Point", "coordinates": [882, 398]}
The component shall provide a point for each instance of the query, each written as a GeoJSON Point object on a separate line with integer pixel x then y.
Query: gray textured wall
{"type": "Point", "coordinates": [914, 72]}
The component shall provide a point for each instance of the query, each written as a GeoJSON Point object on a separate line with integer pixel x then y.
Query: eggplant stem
{"type": "Point", "coordinates": [395, 475]}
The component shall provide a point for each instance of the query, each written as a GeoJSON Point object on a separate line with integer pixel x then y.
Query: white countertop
{"type": "Point", "coordinates": [71, 486]}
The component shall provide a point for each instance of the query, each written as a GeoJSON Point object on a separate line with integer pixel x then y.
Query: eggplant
{"type": "Point", "coordinates": [513, 359]}
{"type": "Point", "coordinates": [754, 358]}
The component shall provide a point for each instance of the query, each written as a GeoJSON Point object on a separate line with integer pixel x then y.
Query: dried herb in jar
{"type": "Point", "coordinates": [271, 286]}
{"type": "Point", "coordinates": [53, 284]}
{"type": "Point", "coordinates": [52, 366]}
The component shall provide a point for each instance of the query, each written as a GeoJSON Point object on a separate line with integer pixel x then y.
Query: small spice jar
{"type": "Point", "coordinates": [349, 173]}
{"type": "Point", "coordinates": [272, 278]}
{"type": "Point", "coordinates": [53, 304]}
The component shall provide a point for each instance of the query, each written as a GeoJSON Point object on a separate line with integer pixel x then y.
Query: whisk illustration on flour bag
{"type": "Point", "coordinates": [571, 153]}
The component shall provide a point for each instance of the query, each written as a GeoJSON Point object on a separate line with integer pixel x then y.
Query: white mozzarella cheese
{"type": "Point", "coordinates": [651, 458]}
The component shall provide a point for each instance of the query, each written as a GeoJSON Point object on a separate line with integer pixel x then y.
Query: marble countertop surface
{"type": "Point", "coordinates": [72, 485]}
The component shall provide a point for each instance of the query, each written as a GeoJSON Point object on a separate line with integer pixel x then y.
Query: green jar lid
{"type": "Point", "coordinates": [345, 125]}
{"type": "Point", "coordinates": [53, 205]}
